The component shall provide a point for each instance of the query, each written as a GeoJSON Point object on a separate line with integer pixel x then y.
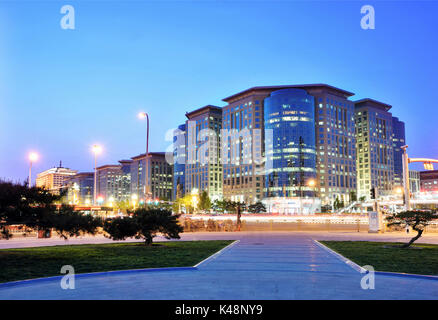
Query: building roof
{"type": "Point", "coordinates": [151, 154]}
{"type": "Point", "coordinates": [202, 110]}
{"type": "Point", "coordinates": [368, 102]}
{"type": "Point", "coordinates": [254, 90]}
{"type": "Point", "coordinates": [108, 166]}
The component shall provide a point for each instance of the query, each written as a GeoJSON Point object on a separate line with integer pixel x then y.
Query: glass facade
{"type": "Point", "coordinates": [290, 143]}
{"type": "Point", "coordinates": [179, 157]}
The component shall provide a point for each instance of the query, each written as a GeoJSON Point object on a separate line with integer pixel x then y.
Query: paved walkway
{"type": "Point", "coordinates": [261, 266]}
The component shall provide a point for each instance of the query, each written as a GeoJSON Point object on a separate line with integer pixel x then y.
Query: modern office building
{"type": "Point", "coordinates": [398, 140]}
{"type": "Point", "coordinates": [114, 183]}
{"type": "Point", "coordinates": [334, 141]}
{"type": "Point", "coordinates": [414, 181]}
{"type": "Point", "coordinates": [375, 155]}
{"type": "Point", "coordinates": [55, 178]}
{"type": "Point", "coordinates": [289, 115]}
{"type": "Point", "coordinates": [243, 145]}
{"type": "Point", "coordinates": [80, 189]}
{"type": "Point", "coordinates": [203, 170]}
{"type": "Point", "coordinates": [429, 181]}
{"type": "Point", "coordinates": [179, 158]}
{"type": "Point", "coordinates": [158, 180]}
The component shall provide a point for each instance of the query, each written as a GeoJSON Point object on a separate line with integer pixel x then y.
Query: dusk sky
{"type": "Point", "coordinates": [61, 91]}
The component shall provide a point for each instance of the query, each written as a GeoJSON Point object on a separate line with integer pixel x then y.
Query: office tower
{"type": "Point", "coordinates": [203, 169]}
{"type": "Point", "coordinates": [334, 140]}
{"type": "Point", "coordinates": [80, 189]}
{"type": "Point", "coordinates": [179, 158]}
{"type": "Point", "coordinates": [55, 179]}
{"type": "Point", "coordinates": [429, 181]}
{"type": "Point", "coordinates": [375, 155]}
{"type": "Point", "coordinates": [398, 140]}
{"type": "Point", "coordinates": [159, 177]}
{"type": "Point", "coordinates": [414, 181]}
{"type": "Point", "coordinates": [290, 148]}
{"type": "Point", "coordinates": [114, 183]}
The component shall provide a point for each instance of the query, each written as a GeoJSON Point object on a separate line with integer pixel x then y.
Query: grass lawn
{"type": "Point", "coordinates": [418, 261]}
{"type": "Point", "coordinates": [28, 263]}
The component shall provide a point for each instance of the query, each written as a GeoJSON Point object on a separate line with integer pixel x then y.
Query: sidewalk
{"type": "Point", "coordinates": [272, 265]}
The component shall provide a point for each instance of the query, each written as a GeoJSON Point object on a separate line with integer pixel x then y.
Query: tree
{"type": "Point", "coordinates": [353, 196]}
{"type": "Point", "coordinates": [145, 224]}
{"type": "Point", "coordinates": [338, 204]}
{"type": "Point", "coordinates": [36, 208]}
{"type": "Point", "coordinates": [204, 201]}
{"type": "Point", "coordinates": [418, 220]}
{"type": "Point", "coordinates": [219, 206]}
{"type": "Point", "coordinates": [257, 207]}
{"type": "Point", "coordinates": [70, 223]}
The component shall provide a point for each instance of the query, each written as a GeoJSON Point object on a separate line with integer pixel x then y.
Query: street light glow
{"type": "Point", "coordinates": [33, 156]}
{"type": "Point", "coordinates": [142, 115]}
{"type": "Point", "coordinates": [312, 183]}
{"type": "Point", "coordinates": [96, 149]}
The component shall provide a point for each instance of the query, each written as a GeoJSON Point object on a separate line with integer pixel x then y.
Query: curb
{"type": "Point", "coordinates": [215, 255]}
{"type": "Point", "coordinates": [353, 265]}
{"type": "Point", "coordinates": [358, 268]}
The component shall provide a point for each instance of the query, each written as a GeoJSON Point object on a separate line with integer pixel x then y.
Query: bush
{"type": "Point", "coordinates": [145, 224]}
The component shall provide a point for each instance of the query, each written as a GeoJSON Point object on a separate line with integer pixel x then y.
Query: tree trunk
{"type": "Point", "coordinates": [238, 218]}
{"type": "Point", "coordinates": [148, 240]}
{"type": "Point", "coordinates": [419, 233]}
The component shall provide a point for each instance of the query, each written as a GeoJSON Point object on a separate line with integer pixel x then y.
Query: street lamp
{"type": "Point", "coordinates": [33, 157]}
{"type": "Point", "coordinates": [144, 115]}
{"type": "Point", "coordinates": [311, 183]}
{"type": "Point", "coordinates": [96, 150]}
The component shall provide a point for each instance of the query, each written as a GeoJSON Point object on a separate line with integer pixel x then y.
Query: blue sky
{"type": "Point", "coordinates": [63, 90]}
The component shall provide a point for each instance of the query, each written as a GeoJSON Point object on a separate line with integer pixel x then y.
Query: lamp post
{"type": "Point", "coordinates": [96, 150]}
{"type": "Point", "coordinates": [33, 157]}
{"type": "Point", "coordinates": [144, 115]}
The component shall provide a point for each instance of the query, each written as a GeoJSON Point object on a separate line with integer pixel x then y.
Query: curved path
{"type": "Point", "coordinates": [260, 266]}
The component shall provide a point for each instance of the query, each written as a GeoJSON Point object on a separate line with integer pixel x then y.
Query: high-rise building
{"type": "Point", "coordinates": [375, 155]}
{"type": "Point", "coordinates": [334, 141]}
{"type": "Point", "coordinates": [429, 181]}
{"type": "Point", "coordinates": [243, 147]}
{"type": "Point", "coordinates": [203, 169]}
{"type": "Point", "coordinates": [80, 189]}
{"type": "Point", "coordinates": [159, 178]}
{"type": "Point", "coordinates": [54, 179]}
{"type": "Point", "coordinates": [179, 158]}
{"type": "Point", "coordinates": [398, 140]}
{"type": "Point", "coordinates": [289, 115]}
{"type": "Point", "coordinates": [114, 182]}
{"type": "Point", "coordinates": [414, 181]}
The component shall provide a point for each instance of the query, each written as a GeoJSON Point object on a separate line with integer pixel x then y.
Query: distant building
{"type": "Point", "coordinates": [54, 179]}
{"type": "Point", "coordinates": [429, 181]}
{"type": "Point", "coordinates": [375, 156]}
{"type": "Point", "coordinates": [203, 170]}
{"type": "Point", "coordinates": [159, 177]}
{"type": "Point", "coordinates": [80, 189]}
{"type": "Point", "coordinates": [398, 140]}
{"type": "Point", "coordinates": [414, 181]}
{"type": "Point", "coordinates": [114, 183]}
{"type": "Point", "coordinates": [179, 166]}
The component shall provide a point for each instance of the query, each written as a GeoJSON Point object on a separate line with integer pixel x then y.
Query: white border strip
{"type": "Point", "coordinates": [215, 255]}
{"type": "Point", "coordinates": [355, 266]}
